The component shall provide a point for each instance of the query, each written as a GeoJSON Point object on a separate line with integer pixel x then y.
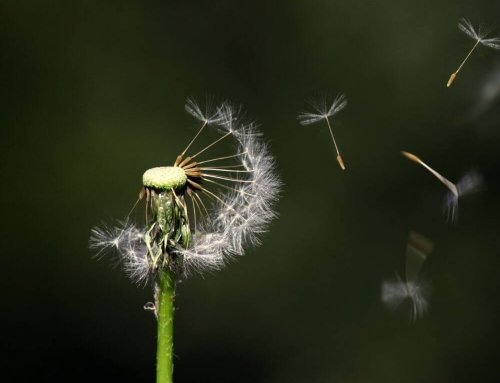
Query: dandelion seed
{"type": "Point", "coordinates": [480, 37]}
{"type": "Point", "coordinates": [395, 292]}
{"type": "Point", "coordinates": [323, 112]}
{"type": "Point", "coordinates": [471, 182]}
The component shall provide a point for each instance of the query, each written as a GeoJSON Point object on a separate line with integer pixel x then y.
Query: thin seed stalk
{"type": "Point", "coordinates": [165, 345]}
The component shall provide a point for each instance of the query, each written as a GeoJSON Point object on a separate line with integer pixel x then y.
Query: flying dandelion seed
{"type": "Point", "coordinates": [323, 112]}
{"type": "Point", "coordinates": [200, 213]}
{"type": "Point", "coordinates": [480, 37]}
{"type": "Point", "coordinates": [395, 292]}
{"type": "Point", "coordinates": [470, 183]}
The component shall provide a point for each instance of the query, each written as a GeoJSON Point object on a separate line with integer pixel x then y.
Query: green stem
{"type": "Point", "coordinates": [165, 349]}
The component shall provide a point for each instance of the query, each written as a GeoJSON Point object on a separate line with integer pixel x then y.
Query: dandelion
{"type": "Point", "coordinates": [395, 292]}
{"type": "Point", "coordinates": [323, 112]}
{"type": "Point", "coordinates": [471, 182]}
{"type": "Point", "coordinates": [199, 214]}
{"type": "Point", "coordinates": [480, 37]}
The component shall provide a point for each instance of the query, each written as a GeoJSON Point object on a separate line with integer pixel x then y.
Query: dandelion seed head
{"type": "Point", "coordinates": [232, 203]}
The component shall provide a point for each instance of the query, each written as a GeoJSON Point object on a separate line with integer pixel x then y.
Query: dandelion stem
{"type": "Point", "coordinates": [165, 349]}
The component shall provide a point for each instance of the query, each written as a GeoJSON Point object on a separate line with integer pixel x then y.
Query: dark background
{"type": "Point", "coordinates": [92, 95]}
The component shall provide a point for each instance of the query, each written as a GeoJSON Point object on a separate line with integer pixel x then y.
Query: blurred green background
{"type": "Point", "coordinates": [93, 94]}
